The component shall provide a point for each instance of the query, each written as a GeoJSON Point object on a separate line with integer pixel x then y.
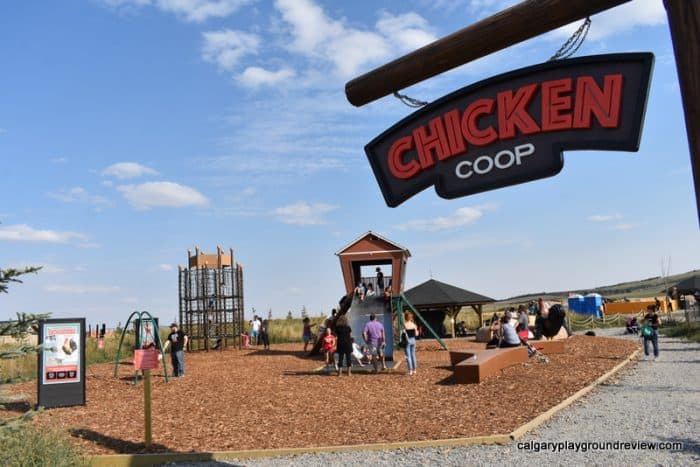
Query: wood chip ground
{"type": "Point", "coordinates": [253, 399]}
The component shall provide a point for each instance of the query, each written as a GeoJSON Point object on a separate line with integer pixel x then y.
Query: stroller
{"type": "Point", "coordinates": [632, 326]}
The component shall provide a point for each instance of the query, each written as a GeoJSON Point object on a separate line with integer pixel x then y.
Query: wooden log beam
{"type": "Point", "coordinates": [516, 24]}
{"type": "Point", "coordinates": [684, 21]}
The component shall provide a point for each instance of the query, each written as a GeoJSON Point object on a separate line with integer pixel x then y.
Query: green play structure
{"type": "Point", "coordinates": [146, 335]}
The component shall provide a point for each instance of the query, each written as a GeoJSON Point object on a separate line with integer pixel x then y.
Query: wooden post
{"type": "Point", "coordinates": [684, 21]}
{"type": "Point", "coordinates": [523, 21]}
{"type": "Point", "coordinates": [147, 406]}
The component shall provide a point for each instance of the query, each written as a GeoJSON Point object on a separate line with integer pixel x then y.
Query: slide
{"type": "Point", "coordinates": [358, 315]}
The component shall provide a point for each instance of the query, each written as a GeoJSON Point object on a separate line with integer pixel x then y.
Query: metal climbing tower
{"type": "Point", "coordinates": [211, 300]}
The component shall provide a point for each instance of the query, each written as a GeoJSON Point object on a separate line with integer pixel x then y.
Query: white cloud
{"type": "Point", "coordinates": [294, 291]}
{"type": "Point", "coordinates": [255, 76]}
{"type": "Point", "coordinates": [79, 195]}
{"type": "Point", "coordinates": [25, 233]}
{"type": "Point", "coordinates": [195, 11]}
{"type": "Point", "coordinates": [127, 170]}
{"type": "Point", "coordinates": [620, 19]}
{"type": "Point", "coordinates": [162, 194]}
{"type": "Point", "coordinates": [225, 48]}
{"type": "Point", "coordinates": [461, 217]}
{"type": "Point", "coordinates": [604, 217]}
{"type": "Point", "coordinates": [409, 31]}
{"type": "Point", "coordinates": [81, 289]}
{"type": "Point", "coordinates": [303, 213]}
{"type": "Point", "coordinates": [165, 267]}
{"type": "Point", "coordinates": [319, 37]}
{"type": "Point", "coordinates": [59, 160]}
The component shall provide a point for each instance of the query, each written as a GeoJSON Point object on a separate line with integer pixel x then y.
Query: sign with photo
{"type": "Point", "coordinates": [61, 379]}
{"type": "Point", "coordinates": [512, 128]}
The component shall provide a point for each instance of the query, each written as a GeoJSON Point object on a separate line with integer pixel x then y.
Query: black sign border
{"type": "Point", "coordinates": [61, 395]}
{"type": "Point", "coordinates": [645, 58]}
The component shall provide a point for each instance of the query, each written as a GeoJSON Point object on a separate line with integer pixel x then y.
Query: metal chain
{"type": "Point", "coordinates": [574, 42]}
{"type": "Point", "coordinates": [409, 101]}
{"type": "Point", "coordinates": [569, 48]}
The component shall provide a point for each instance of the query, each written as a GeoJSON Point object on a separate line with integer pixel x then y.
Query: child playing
{"type": "Point", "coordinates": [357, 353]}
{"type": "Point", "coordinates": [306, 334]}
{"type": "Point", "coordinates": [329, 346]}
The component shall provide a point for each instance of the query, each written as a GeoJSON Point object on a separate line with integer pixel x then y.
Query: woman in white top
{"type": "Point", "coordinates": [411, 330]}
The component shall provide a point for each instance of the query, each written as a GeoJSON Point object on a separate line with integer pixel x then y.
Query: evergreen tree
{"type": "Point", "coordinates": [19, 329]}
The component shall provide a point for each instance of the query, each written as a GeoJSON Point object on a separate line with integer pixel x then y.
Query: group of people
{"type": "Point", "coordinates": [504, 334]}
{"type": "Point", "coordinates": [340, 341]}
{"type": "Point", "coordinates": [259, 332]}
{"type": "Point", "coordinates": [344, 345]}
{"type": "Point", "coordinates": [364, 290]}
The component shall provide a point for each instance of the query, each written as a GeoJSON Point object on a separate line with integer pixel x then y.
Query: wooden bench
{"type": "Point", "coordinates": [470, 370]}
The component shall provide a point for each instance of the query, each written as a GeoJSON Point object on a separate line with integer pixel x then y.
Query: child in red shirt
{"type": "Point", "coordinates": [329, 342]}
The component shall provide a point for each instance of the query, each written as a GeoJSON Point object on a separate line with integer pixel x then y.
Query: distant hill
{"type": "Point", "coordinates": [651, 287]}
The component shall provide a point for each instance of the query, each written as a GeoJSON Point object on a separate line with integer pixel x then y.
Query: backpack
{"type": "Point", "coordinates": [647, 331]}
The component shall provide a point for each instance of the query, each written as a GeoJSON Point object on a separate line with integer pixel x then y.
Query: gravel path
{"type": "Point", "coordinates": [652, 401]}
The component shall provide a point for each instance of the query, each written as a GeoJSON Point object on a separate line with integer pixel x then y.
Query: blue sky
{"type": "Point", "coordinates": [132, 130]}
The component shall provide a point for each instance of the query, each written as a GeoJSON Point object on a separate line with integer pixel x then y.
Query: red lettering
{"type": "Point", "coordinates": [435, 141]}
{"type": "Point", "coordinates": [397, 167]}
{"type": "Point", "coordinates": [471, 132]}
{"type": "Point", "coordinates": [554, 104]}
{"type": "Point", "coordinates": [512, 112]}
{"type": "Point", "coordinates": [603, 103]}
{"type": "Point", "coordinates": [454, 134]}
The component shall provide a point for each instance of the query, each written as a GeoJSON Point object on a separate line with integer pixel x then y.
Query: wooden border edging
{"type": "Point", "coordinates": [139, 460]}
{"type": "Point", "coordinates": [145, 460]}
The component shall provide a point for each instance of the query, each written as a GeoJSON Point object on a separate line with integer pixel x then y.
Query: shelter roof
{"type": "Point", "coordinates": [438, 293]}
{"type": "Point", "coordinates": [382, 243]}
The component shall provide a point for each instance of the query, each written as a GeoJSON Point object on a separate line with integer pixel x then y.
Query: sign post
{"type": "Point", "coordinates": [146, 360]}
{"type": "Point", "coordinates": [147, 406]}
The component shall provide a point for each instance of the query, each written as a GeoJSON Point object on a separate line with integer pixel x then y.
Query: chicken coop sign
{"type": "Point", "coordinates": [512, 128]}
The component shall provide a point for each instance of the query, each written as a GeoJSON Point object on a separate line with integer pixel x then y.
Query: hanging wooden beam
{"type": "Point", "coordinates": [684, 21]}
{"type": "Point", "coordinates": [509, 27]}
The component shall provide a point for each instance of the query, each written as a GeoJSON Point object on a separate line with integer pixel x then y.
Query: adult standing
{"type": "Point", "coordinates": [255, 329]}
{"type": "Point", "coordinates": [343, 334]}
{"type": "Point", "coordinates": [177, 339]}
{"type": "Point", "coordinates": [651, 321]}
{"type": "Point", "coordinates": [380, 279]}
{"type": "Point", "coordinates": [411, 330]}
{"type": "Point", "coordinates": [373, 334]}
{"type": "Point", "coordinates": [265, 334]}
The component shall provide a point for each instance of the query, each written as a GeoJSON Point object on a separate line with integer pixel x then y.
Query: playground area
{"type": "Point", "coordinates": [250, 399]}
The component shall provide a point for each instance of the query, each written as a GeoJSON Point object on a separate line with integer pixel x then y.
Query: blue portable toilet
{"type": "Point", "coordinates": [592, 303]}
{"type": "Point", "coordinates": [576, 303]}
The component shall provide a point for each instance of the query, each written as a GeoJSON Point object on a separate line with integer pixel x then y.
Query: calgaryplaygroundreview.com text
{"type": "Point", "coordinates": [588, 446]}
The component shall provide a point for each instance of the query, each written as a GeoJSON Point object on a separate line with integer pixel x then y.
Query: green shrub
{"type": "Point", "coordinates": [30, 446]}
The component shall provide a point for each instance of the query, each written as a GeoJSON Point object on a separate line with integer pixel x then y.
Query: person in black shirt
{"type": "Point", "coordinates": [343, 333]}
{"type": "Point", "coordinates": [178, 339]}
{"type": "Point", "coordinates": [380, 279]}
{"type": "Point", "coordinates": [651, 319]}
